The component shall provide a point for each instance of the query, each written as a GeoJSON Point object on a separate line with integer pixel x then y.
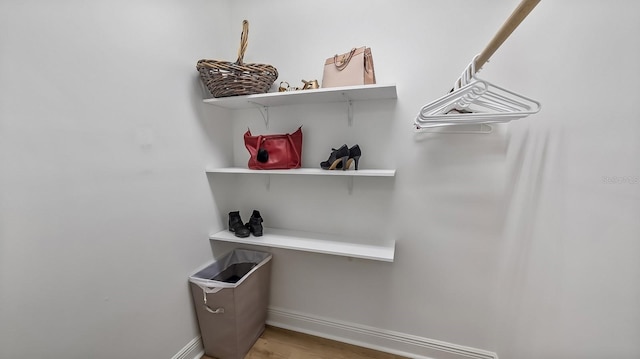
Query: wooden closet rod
{"type": "Point", "coordinates": [518, 15]}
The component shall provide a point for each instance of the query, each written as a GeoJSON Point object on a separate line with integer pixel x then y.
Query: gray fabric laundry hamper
{"type": "Point", "coordinates": [230, 297]}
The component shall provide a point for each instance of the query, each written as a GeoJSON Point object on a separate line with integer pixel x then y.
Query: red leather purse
{"type": "Point", "coordinates": [272, 152]}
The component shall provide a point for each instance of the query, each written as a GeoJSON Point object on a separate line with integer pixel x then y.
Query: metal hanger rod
{"type": "Point", "coordinates": [518, 15]}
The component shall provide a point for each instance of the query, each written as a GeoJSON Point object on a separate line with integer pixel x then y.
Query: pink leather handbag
{"type": "Point", "coordinates": [349, 69]}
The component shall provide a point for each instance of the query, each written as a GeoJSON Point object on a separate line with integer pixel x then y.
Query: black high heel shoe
{"type": "Point", "coordinates": [354, 156]}
{"type": "Point", "coordinates": [337, 159]}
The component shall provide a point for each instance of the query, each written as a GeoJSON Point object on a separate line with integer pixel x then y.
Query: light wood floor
{"type": "Point", "coordinates": [277, 343]}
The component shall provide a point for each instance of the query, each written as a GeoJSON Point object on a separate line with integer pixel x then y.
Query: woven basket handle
{"type": "Point", "coordinates": [243, 41]}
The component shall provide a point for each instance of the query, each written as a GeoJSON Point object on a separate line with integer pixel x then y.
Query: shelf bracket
{"type": "Point", "coordinates": [350, 184]}
{"type": "Point", "coordinates": [268, 182]}
{"type": "Point", "coordinates": [349, 109]}
{"type": "Point", "coordinates": [264, 111]}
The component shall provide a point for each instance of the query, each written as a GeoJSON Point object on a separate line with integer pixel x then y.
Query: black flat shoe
{"type": "Point", "coordinates": [337, 158]}
{"type": "Point", "coordinates": [236, 226]}
{"type": "Point", "coordinates": [255, 224]}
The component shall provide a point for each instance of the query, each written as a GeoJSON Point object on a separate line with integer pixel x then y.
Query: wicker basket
{"type": "Point", "coordinates": [224, 79]}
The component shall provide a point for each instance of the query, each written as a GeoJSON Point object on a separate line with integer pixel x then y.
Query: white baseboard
{"type": "Point", "coordinates": [373, 338]}
{"type": "Point", "coordinates": [193, 350]}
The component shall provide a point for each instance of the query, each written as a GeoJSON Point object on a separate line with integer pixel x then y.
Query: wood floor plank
{"type": "Point", "coordinates": [278, 343]}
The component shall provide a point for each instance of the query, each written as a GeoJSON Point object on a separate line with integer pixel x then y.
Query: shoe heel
{"type": "Point", "coordinates": [337, 159]}
{"type": "Point", "coordinates": [355, 159]}
{"type": "Point", "coordinates": [336, 163]}
{"type": "Point", "coordinates": [354, 155]}
{"type": "Point", "coordinates": [345, 159]}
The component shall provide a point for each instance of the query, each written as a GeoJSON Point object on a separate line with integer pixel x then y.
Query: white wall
{"type": "Point", "coordinates": [519, 242]}
{"type": "Point", "coordinates": [105, 208]}
{"type": "Point", "coordinates": [513, 242]}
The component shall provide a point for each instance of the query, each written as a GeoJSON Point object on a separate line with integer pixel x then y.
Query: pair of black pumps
{"type": "Point", "coordinates": [342, 158]}
{"type": "Point", "coordinates": [243, 230]}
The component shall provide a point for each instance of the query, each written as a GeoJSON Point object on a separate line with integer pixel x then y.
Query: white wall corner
{"type": "Point", "coordinates": [373, 338]}
{"type": "Point", "coordinates": [193, 350]}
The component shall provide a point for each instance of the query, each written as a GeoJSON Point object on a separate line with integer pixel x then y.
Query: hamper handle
{"type": "Point", "coordinates": [212, 311]}
{"type": "Point", "coordinates": [206, 307]}
{"type": "Point", "coordinates": [244, 37]}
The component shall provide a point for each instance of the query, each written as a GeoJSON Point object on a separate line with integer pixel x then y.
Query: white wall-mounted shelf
{"type": "Point", "coordinates": [313, 242]}
{"type": "Point", "coordinates": [321, 95]}
{"type": "Point", "coordinates": [308, 171]}
{"type": "Point", "coordinates": [298, 240]}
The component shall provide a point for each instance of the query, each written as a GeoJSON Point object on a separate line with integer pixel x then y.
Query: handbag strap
{"type": "Point", "coordinates": [293, 145]}
{"type": "Point", "coordinates": [344, 61]}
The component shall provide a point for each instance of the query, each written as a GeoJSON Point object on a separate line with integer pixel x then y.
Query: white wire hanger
{"type": "Point", "coordinates": [478, 102]}
{"type": "Point", "coordinates": [475, 101]}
